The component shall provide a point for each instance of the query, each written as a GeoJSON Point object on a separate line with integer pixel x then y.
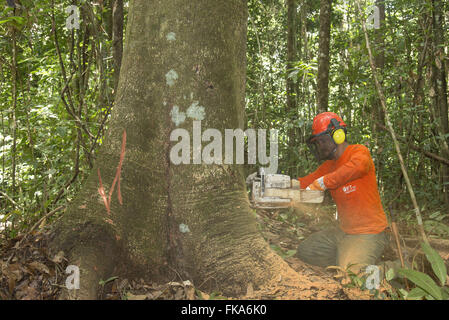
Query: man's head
{"type": "Point", "coordinates": [328, 132]}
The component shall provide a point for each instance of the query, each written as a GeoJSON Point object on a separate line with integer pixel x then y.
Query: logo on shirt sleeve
{"type": "Point", "coordinates": [348, 189]}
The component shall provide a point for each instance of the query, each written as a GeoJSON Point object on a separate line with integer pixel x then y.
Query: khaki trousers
{"type": "Point", "coordinates": [333, 247]}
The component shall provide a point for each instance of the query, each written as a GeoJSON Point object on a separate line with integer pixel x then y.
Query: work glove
{"type": "Point", "coordinates": [318, 184]}
{"type": "Point", "coordinates": [251, 178]}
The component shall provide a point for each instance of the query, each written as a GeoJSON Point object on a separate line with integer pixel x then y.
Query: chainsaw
{"type": "Point", "coordinates": [271, 191]}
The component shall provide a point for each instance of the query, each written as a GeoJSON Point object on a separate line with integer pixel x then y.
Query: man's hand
{"type": "Point", "coordinates": [251, 178]}
{"type": "Point", "coordinates": [318, 184]}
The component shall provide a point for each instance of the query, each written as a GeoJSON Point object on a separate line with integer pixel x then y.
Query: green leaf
{"type": "Point", "coordinates": [16, 19]}
{"type": "Point", "coordinates": [438, 266]}
{"type": "Point", "coordinates": [290, 253]}
{"type": "Point", "coordinates": [198, 293]}
{"type": "Point", "coordinates": [445, 293]}
{"type": "Point", "coordinates": [403, 293]}
{"type": "Point", "coordinates": [416, 294]}
{"type": "Point", "coordinates": [103, 282]}
{"type": "Point", "coordinates": [423, 281]}
{"type": "Point", "coordinates": [390, 274]}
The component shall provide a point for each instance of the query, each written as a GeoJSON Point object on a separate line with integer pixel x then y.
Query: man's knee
{"type": "Point", "coordinates": [320, 249]}
{"type": "Point", "coordinates": [308, 254]}
{"type": "Point", "coordinates": [359, 251]}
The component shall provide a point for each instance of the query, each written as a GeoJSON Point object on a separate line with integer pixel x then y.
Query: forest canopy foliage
{"type": "Point", "coordinates": [58, 79]}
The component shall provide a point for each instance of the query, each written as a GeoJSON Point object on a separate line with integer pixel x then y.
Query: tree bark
{"type": "Point", "coordinates": [291, 85]}
{"type": "Point", "coordinates": [291, 52]}
{"type": "Point", "coordinates": [379, 60]}
{"type": "Point", "coordinates": [117, 38]}
{"type": "Point", "coordinates": [14, 75]}
{"type": "Point", "coordinates": [323, 56]}
{"type": "Point", "coordinates": [440, 87]}
{"type": "Point", "coordinates": [191, 221]}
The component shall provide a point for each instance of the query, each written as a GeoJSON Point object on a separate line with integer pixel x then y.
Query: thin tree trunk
{"type": "Point", "coordinates": [14, 107]}
{"type": "Point", "coordinates": [323, 56]}
{"type": "Point", "coordinates": [379, 62]}
{"type": "Point", "coordinates": [390, 128]}
{"type": "Point", "coordinates": [291, 86]}
{"type": "Point", "coordinates": [440, 85]}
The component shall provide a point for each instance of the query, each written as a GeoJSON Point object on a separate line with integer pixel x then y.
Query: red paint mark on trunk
{"type": "Point", "coordinates": [107, 200]}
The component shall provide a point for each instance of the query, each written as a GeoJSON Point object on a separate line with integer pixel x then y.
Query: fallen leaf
{"type": "Point", "coordinates": [11, 284]}
{"type": "Point", "coordinates": [180, 294]}
{"type": "Point", "coordinates": [31, 294]}
{"type": "Point", "coordinates": [13, 271]}
{"type": "Point", "coordinates": [59, 257]}
{"type": "Point", "coordinates": [25, 291]}
{"type": "Point", "coordinates": [150, 296]}
{"type": "Point", "coordinates": [203, 295]}
{"type": "Point", "coordinates": [156, 294]}
{"type": "Point", "coordinates": [39, 266]}
{"type": "Point", "coordinates": [122, 285]}
{"type": "Point", "coordinates": [190, 293]}
{"type": "Point", "coordinates": [130, 296]}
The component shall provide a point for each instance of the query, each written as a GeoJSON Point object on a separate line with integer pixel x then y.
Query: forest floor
{"type": "Point", "coordinates": [28, 272]}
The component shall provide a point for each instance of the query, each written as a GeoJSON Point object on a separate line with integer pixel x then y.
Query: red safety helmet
{"type": "Point", "coordinates": [328, 131]}
{"type": "Point", "coordinates": [322, 121]}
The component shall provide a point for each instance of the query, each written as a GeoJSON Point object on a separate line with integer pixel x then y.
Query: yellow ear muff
{"type": "Point", "coordinates": [339, 136]}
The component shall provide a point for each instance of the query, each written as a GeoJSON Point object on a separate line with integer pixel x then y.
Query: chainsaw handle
{"type": "Point", "coordinates": [262, 181]}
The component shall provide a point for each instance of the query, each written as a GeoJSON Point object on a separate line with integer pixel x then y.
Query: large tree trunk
{"type": "Point", "coordinates": [188, 220]}
{"type": "Point", "coordinates": [117, 38]}
{"type": "Point", "coordinates": [323, 56]}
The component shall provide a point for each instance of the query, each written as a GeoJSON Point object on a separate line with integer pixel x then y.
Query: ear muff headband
{"type": "Point", "coordinates": [338, 133]}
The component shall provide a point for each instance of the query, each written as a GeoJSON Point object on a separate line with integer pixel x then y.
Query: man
{"type": "Point", "coordinates": [348, 173]}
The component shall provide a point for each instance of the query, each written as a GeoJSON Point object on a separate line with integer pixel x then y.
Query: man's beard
{"type": "Point", "coordinates": [328, 154]}
{"type": "Point", "coordinates": [325, 148]}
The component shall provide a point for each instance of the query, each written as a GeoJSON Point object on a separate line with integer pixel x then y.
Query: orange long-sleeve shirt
{"type": "Point", "coordinates": [351, 180]}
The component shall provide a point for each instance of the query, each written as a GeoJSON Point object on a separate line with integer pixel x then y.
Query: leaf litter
{"type": "Point", "coordinates": [29, 272]}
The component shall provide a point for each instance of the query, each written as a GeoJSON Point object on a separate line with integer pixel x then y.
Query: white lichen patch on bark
{"type": "Point", "coordinates": [196, 112]}
{"type": "Point", "coordinates": [171, 77]}
{"type": "Point", "coordinates": [183, 228]}
{"type": "Point", "coordinates": [177, 116]}
{"type": "Point", "coordinates": [171, 36]}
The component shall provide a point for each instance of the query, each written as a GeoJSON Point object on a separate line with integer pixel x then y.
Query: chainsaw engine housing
{"type": "Point", "coordinates": [271, 191]}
